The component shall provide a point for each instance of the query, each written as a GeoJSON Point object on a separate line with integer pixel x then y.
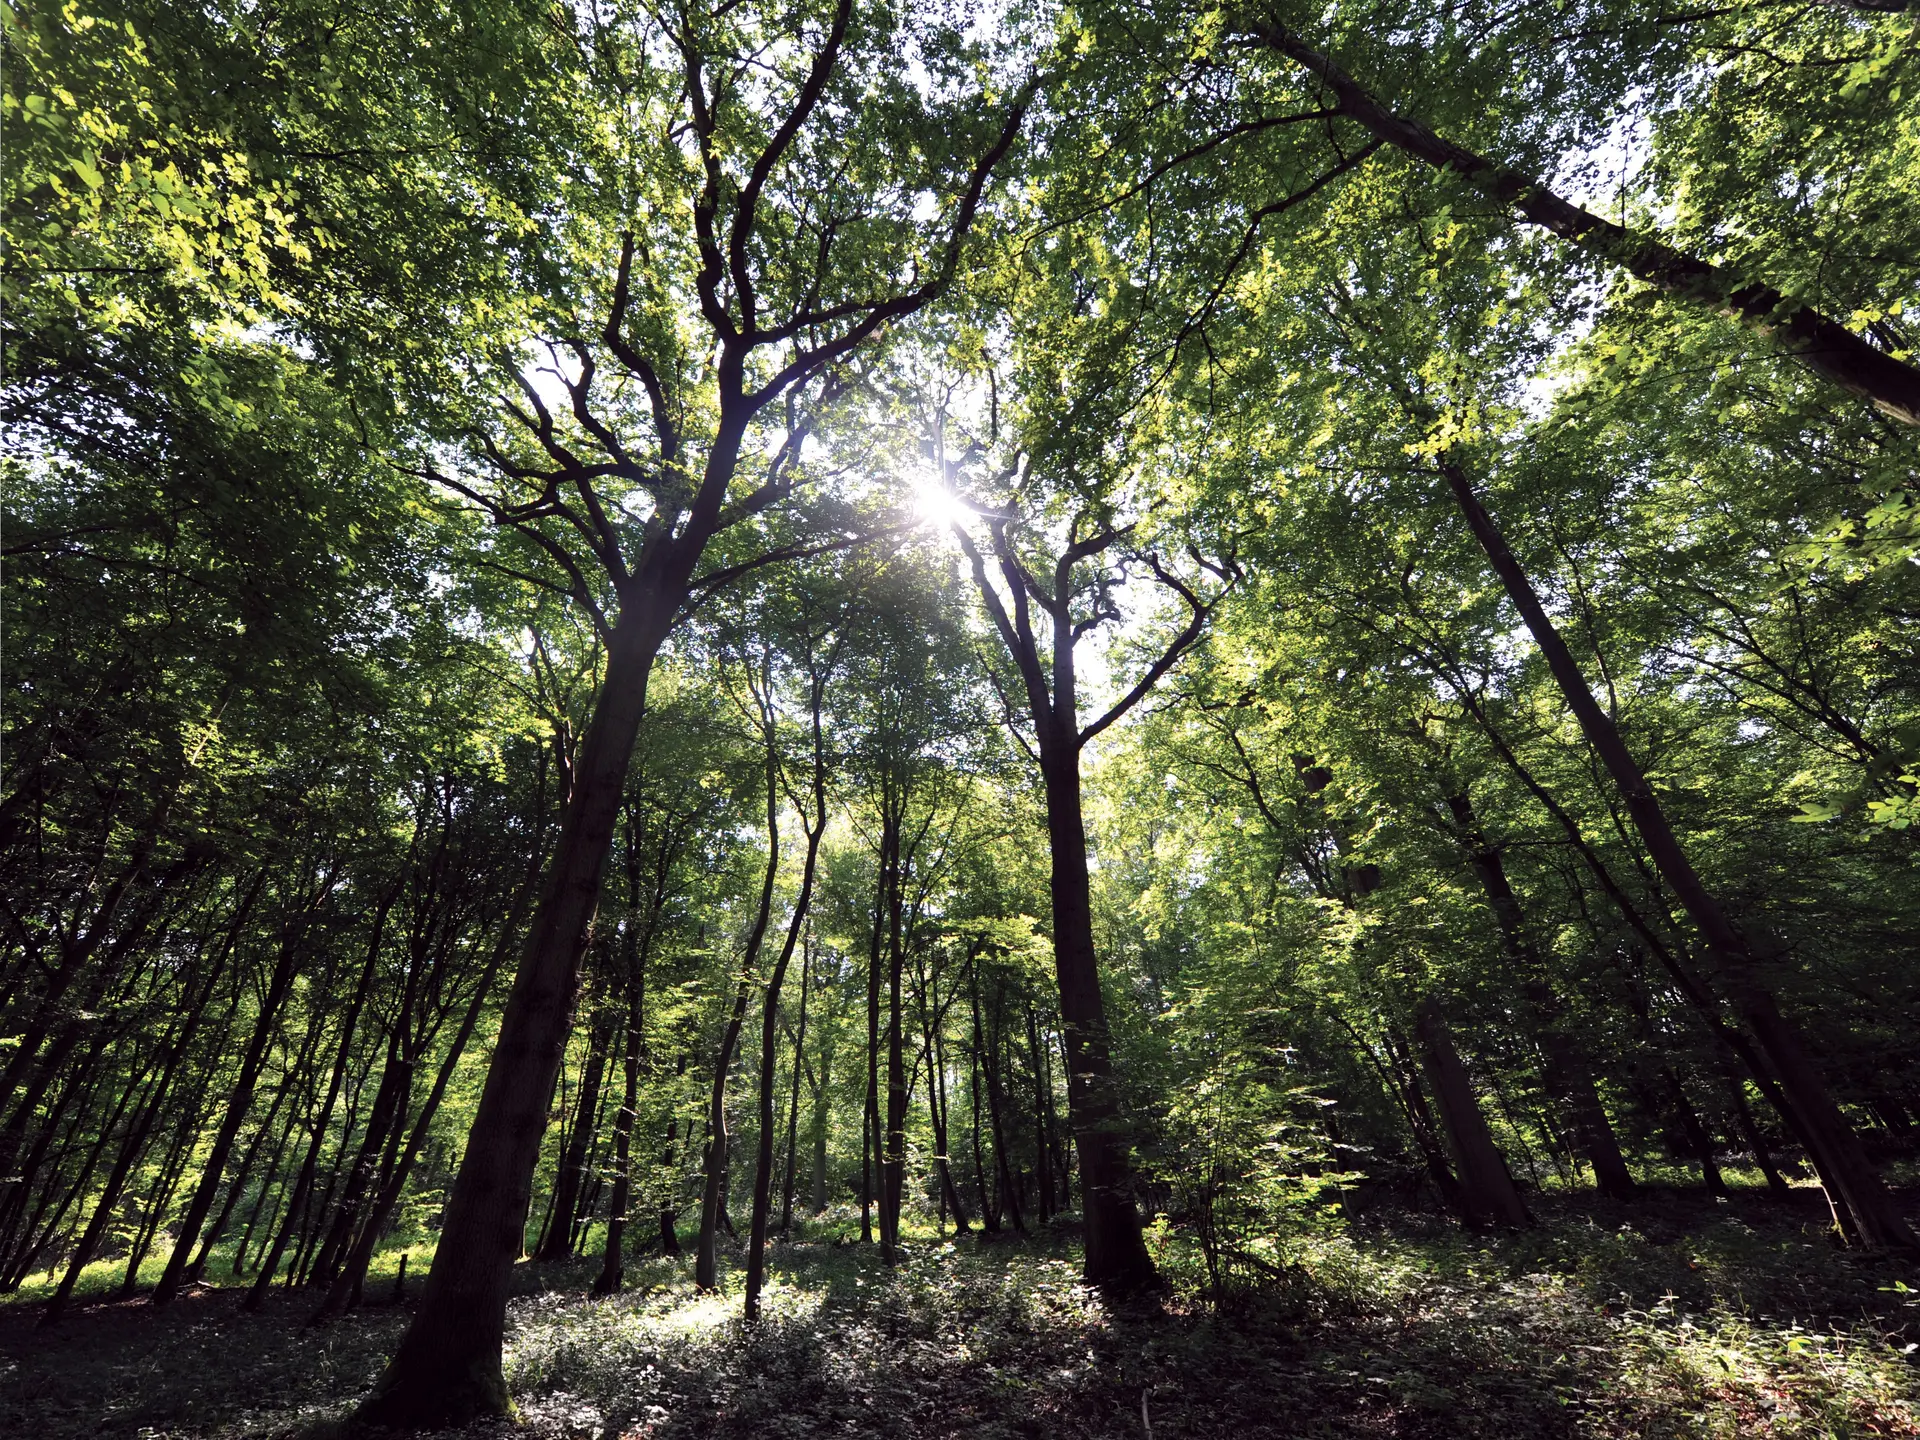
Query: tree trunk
{"type": "Point", "coordinates": [1822, 344]}
{"type": "Point", "coordinates": [1487, 1187]}
{"type": "Point", "coordinates": [1042, 1108]}
{"type": "Point", "coordinates": [309, 1167]}
{"type": "Point", "coordinates": [1009, 1196]}
{"type": "Point", "coordinates": [447, 1369]}
{"type": "Point", "coordinates": [789, 1176]}
{"type": "Point", "coordinates": [989, 1211]}
{"type": "Point", "coordinates": [571, 1174]}
{"type": "Point", "coordinates": [713, 1197]}
{"type": "Point", "coordinates": [1116, 1254]}
{"type": "Point", "coordinates": [612, 1261]}
{"type": "Point", "coordinates": [1567, 1068]}
{"type": "Point", "coordinates": [237, 1105]}
{"type": "Point", "coordinates": [822, 1113]}
{"type": "Point", "coordinates": [1851, 1182]}
{"type": "Point", "coordinates": [345, 1290]}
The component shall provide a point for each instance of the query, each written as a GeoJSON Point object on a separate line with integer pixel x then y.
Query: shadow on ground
{"type": "Point", "coordinates": [1671, 1316]}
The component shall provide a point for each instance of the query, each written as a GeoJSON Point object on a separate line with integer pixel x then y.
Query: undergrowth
{"type": "Point", "coordinates": [1669, 1318]}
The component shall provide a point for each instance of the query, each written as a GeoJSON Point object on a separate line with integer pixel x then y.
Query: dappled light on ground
{"type": "Point", "coordinates": [1670, 1317]}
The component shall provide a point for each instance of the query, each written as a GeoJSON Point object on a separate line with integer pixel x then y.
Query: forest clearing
{"type": "Point", "coordinates": [960, 717]}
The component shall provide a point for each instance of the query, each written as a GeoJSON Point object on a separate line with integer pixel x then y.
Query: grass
{"type": "Point", "coordinates": [1670, 1317]}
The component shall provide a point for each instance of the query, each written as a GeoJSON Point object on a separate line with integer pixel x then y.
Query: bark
{"type": "Point", "coordinates": [989, 1211]}
{"type": "Point", "coordinates": [1699, 1141]}
{"type": "Point", "coordinates": [571, 1174]}
{"type": "Point", "coordinates": [344, 1292]}
{"type": "Point", "coordinates": [893, 1166]}
{"type": "Point", "coordinates": [1568, 1069]}
{"type": "Point", "coordinates": [1116, 1254]}
{"type": "Point", "coordinates": [278, 987]}
{"type": "Point", "coordinates": [1404, 1081]}
{"type": "Point", "coordinates": [941, 1114]}
{"type": "Point", "coordinates": [713, 1197]}
{"type": "Point", "coordinates": [309, 1167]}
{"type": "Point", "coordinates": [790, 1174]}
{"type": "Point", "coordinates": [1487, 1188]}
{"type": "Point", "coordinates": [770, 1022]}
{"type": "Point", "coordinates": [612, 1261]}
{"type": "Point", "coordinates": [1042, 1112]}
{"type": "Point", "coordinates": [822, 1102]}
{"type": "Point", "coordinates": [1009, 1197]}
{"type": "Point", "coordinates": [1850, 1179]}
{"type": "Point", "coordinates": [447, 1368]}
{"type": "Point", "coordinates": [1821, 343]}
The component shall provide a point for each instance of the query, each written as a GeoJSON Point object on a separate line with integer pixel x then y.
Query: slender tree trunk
{"type": "Point", "coordinates": [571, 1174]}
{"type": "Point", "coordinates": [1009, 1196]}
{"type": "Point", "coordinates": [243, 1172]}
{"type": "Point", "coordinates": [713, 1198]}
{"type": "Point", "coordinates": [1821, 343]}
{"type": "Point", "coordinates": [822, 1114]}
{"type": "Point", "coordinates": [1750, 1132]}
{"type": "Point", "coordinates": [893, 1172]}
{"type": "Point", "coordinates": [769, 1053]}
{"type": "Point", "coordinates": [1699, 1139]}
{"type": "Point", "coordinates": [1852, 1184]}
{"type": "Point", "coordinates": [238, 1104]}
{"type": "Point", "coordinates": [1042, 1104]}
{"type": "Point", "coordinates": [1568, 1070]}
{"type": "Point", "coordinates": [870, 1134]}
{"type": "Point", "coordinates": [1402, 1079]}
{"type": "Point", "coordinates": [612, 1262]}
{"type": "Point", "coordinates": [789, 1175]}
{"type": "Point", "coordinates": [989, 1211]}
{"type": "Point", "coordinates": [309, 1167]}
{"type": "Point", "coordinates": [941, 1115]}
{"type": "Point", "coordinates": [345, 1290]}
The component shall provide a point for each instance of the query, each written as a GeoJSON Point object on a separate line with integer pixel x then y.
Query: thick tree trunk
{"type": "Point", "coordinates": [447, 1369]}
{"type": "Point", "coordinates": [1487, 1187]}
{"type": "Point", "coordinates": [1852, 1184]}
{"type": "Point", "coordinates": [1116, 1254]}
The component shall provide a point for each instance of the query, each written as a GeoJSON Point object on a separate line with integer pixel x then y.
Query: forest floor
{"type": "Point", "coordinates": [1671, 1316]}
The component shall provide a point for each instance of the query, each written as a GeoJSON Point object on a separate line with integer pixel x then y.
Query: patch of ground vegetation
{"type": "Point", "coordinates": [1669, 1317]}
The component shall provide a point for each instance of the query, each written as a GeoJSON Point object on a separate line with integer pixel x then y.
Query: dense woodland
{"type": "Point", "coordinates": [1132, 678]}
